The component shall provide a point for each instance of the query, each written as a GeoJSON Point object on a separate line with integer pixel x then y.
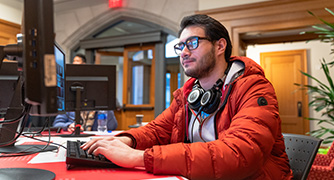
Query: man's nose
{"type": "Point", "coordinates": [185, 53]}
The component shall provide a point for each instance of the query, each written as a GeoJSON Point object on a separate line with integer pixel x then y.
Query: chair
{"type": "Point", "coordinates": [301, 151]}
{"type": "Point", "coordinates": [323, 166]}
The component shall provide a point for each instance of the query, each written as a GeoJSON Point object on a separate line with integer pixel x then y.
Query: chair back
{"type": "Point", "coordinates": [301, 151]}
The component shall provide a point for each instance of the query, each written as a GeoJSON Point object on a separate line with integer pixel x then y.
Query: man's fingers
{"type": "Point", "coordinates": [90, 143]}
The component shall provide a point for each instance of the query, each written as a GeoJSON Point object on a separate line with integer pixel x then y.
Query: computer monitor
{"type": "Point", "coordinates": [37, 123]}
{"type": "Point", "coordinates": [89, 87]}
{"type": "Point", "coordinates": [36, 89]}
{"type": "Point", "coordinates": [97, 85]}
{"type": "Point", "coordinates": [39, 67]}
{"type": "Point", "coordinates": [10, 83]}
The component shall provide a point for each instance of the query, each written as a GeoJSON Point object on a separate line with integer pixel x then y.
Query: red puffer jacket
{"type": "Point", "coordinates": [249, 145]}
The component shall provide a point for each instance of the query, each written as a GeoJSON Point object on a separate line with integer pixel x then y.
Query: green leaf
{"type": "Point", "coordinates": [322, 30]}
{"type": "Point", "coordinates": [327, 23]}
{"type": "Point", "coordinates": [327, 141]}
{"type": "Point", "coordinates": [318, 81]}
{"type": "Point", "coordinates": [328, 10]}
{"type": "Point", "coordinates": [322, 99]}
{"type": "Point", "coordinates": [327, 73]}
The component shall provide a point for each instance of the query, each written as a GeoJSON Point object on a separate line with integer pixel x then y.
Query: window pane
{"type": "Point", "coordinates": [110, 57]}
{"type": "Point", "coordinates": [169, 47]}
{"type": "Point", "coordinates": [167, 90]}
{"type": "Point", "coordinates": [140, 68]}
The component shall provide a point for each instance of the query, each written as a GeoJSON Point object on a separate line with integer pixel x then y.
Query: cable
{"type": "Point", "coordinates": [192, 127]}
{"type": "Point", "coordinates": [9, 121]}
{"type": "Point", "coordinates": [39, 133]}
{"type": "Point", "coordinates": [27, 109]}
{"type": "Point", "coordinates": [46, 123]}
{"type": "Point", "coordinates": [24, 153]}
{"type": "Point", "coordinates": [45, 141]}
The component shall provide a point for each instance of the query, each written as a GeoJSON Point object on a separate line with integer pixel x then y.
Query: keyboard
{"type": "Point", "coordinates": [77, 157]}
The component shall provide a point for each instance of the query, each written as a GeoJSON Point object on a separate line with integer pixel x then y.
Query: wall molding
{"type": "Point", "coordinates": [270, 17]}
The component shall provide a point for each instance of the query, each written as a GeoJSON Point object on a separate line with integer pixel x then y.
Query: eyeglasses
{"type": "Point", "coordinates": [191, 43]}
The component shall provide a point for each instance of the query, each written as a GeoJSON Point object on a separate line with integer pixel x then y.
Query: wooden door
{"type": "Point", "coordinates": [138, 84]}
{"type": "Point", "coordinates": [283, 70]}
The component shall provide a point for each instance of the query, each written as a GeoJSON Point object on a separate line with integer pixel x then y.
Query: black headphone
{"type": "Point", "coordinates": [206, 101]}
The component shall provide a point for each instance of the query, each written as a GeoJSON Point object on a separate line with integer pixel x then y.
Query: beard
{"type": "Point", "coordinates": [204, 66]}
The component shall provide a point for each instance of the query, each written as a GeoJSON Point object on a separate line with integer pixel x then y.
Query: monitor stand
{"type": "Point", "coordinates": [77, 88]}
{"type": "Point", "coordinates": [14, 149]}
{"type": "Point", "coordinates": [24, 173]}
{"type": "Point", "coordinates": [9, 139]}
{"type": "Point", "coordinates": [8, 131]}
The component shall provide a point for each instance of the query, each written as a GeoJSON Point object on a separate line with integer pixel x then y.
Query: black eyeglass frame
{"type": "Point", "coordinates": [177, 47]}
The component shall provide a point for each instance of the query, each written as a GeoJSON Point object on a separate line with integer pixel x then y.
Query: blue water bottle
{"type": "Point", "coordinates": [102, 121]}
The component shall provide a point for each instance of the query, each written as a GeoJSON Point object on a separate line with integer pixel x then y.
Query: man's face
{"type": "Point", "coordinates": [199, 62]}
{"type": "Point", "coordinates": [78, 60]}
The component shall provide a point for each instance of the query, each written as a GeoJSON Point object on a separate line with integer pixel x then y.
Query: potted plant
{"type": "Point", "coordinates": [323, 93]}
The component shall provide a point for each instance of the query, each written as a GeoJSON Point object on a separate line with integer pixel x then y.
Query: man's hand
{"type": "Point", "coordinates": [117, 150]}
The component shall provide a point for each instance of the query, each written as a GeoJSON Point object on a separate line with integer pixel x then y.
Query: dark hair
{"type": "Point", "coordinates": [214, 30]}
{"type": "Point", "coordinates": [83, 57]}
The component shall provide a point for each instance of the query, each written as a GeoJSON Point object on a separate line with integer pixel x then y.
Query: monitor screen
{"type": "Point", "coordinates": [60, 66]}
{"type": "Point", "coordinates": [97, 83]}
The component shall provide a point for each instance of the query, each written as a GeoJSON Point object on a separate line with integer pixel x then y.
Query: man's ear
{"type": "Point", "coordinates": [221, 46]}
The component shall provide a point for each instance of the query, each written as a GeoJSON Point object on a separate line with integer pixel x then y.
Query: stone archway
{"type": "Point", "coordinates": [96, 24]}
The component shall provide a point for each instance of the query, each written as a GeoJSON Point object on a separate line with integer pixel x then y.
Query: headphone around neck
{"type": "Point", "coordinates": [206, 101]}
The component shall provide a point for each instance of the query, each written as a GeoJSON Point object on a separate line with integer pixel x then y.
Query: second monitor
{"type": "Point", "coordinates": [97, 87]}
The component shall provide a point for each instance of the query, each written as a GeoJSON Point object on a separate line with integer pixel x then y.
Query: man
{"type": "Point", "coordinates": [79, 59]}
{"type": "Point", "coordinates": [222, 124]}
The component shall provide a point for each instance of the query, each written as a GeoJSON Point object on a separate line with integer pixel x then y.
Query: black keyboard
{"type": "Point", "coordinates": [76, 157]}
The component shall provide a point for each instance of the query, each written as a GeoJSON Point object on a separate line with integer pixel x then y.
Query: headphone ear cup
{"type": "Point", "coordinates": [210, 101]}
{"type": "Point", "coordinates": [194, 98]}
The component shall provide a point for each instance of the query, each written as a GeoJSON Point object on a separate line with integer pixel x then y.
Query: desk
{"type": "Point", "coordinates": [55, 162]}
